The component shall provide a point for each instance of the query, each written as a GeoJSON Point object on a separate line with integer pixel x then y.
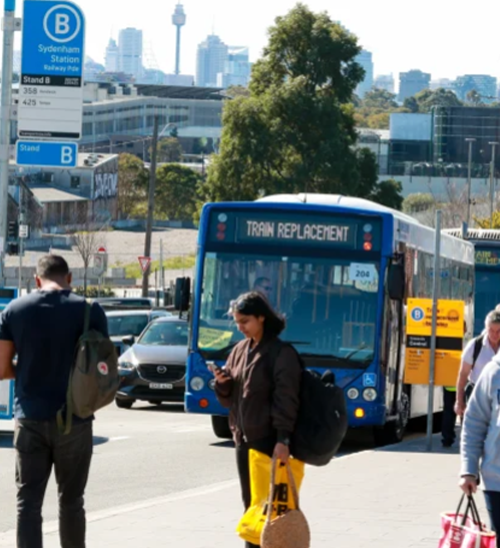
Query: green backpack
{"type": "Point", "coordinates": [94, 379]}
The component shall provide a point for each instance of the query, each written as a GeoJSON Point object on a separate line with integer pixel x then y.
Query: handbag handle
{"type": "Point", "coordinates": [291, 484]}
{"type": "Point", "coordinates": [470, 507]}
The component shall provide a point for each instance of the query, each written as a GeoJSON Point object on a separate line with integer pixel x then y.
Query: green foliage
{"type": "Point", "coordinates": [296, 130]}
{"type": "Point", "coordinates": [133, 270]}
{"type": "Point", "coordinates": [418, 202]}
{"type": "Point", "coordinates": [428, 99]}
{"type": "Point", "coordinates": [93, 292]}
{"type": "Point", "coordinates": [388, 193]}
{"type": "Point", "coordinates": [380, 99]}
{"type": "Point", "coordinates": [169, 150]}
{"type": "Point", "coordinates": [237, 91]}
{"type": "Point", "coordinates": [474, 98]}
{"type": "Point", "coordinates": [485, 222]}
{"type": "Point", "coordinates": [133, 180]}
{"type": "Point", "coordinates": [176, 192]}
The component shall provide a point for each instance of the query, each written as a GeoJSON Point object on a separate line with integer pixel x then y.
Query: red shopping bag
{"type": "Point", "coordinates": [465, 530]}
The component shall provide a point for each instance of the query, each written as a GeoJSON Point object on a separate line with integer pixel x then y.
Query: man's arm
{"type": "Point", "coordinates": [7, 353]}
{"type": "Point", "coordinates": [463, 377]}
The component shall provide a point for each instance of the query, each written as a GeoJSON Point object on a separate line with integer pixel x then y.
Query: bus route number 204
{"type": "Point", "coordinates": [359, 272]}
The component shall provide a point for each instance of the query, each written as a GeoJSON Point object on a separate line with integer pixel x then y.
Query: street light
{"type": "Point", "coordinates": [492, 180]}
{"type": "Point", "coordinates": [469, 140]}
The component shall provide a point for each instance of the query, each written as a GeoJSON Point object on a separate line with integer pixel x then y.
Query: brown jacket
{"type": "Point", "coordinates": [263, 399]}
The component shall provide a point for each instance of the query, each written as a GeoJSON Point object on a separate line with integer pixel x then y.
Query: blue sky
{"type": "Point", "coordinates": [437, 36]}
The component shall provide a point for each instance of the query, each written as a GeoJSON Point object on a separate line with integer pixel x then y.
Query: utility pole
{"type": "Point", "coordinates": [151, 203]}
{"type": "Point", "coordinates": [470, 140]}
{"type": "Point", "coordinates": [9, 25]}
{"type": "Point", "coordinates": [492, 180]}
{"type": "Point", "coordinates": [19, 238]}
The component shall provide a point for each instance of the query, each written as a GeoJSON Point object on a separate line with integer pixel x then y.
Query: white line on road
{"type": "Point", "coordinates": [118, 438]}
{"type": "Point", "coordinates": [9, 537]}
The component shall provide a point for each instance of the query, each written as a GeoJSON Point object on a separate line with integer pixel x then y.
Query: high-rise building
{"type": "Point", "coordinates": [385, 81]}
{"type": "Point", "coordinates": [211, 59]}
{"type": "Point", "coordinates": [178, 20]}
{"type": "Point", "coordinates": [130, 51]}
{"type": "Point", "coordinates": [112, 61]}
{"type": "Point", "coordinates": [485, 85]}
{"type": "Point", "coordinates": [441, 83]}
{"type": "Point", "coordinates": [412, 82]}
{"type": "Point", "coordinates": [365, 59]}
{"type": "Point", "coordinates": [237, 69]}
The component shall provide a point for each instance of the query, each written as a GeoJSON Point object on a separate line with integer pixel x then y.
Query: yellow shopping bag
{"type": "Point", "coordinates": [251, 524]}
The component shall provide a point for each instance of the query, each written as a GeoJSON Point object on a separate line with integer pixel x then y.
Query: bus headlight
{"type": "Point", "coordinates": [353, 393]}
{"type": "Point", "coordinates": [369, 394]}
{"type": "Point", "coordinates": [197, 384]}
{"type": "Point", "coordinates": [211, 384]}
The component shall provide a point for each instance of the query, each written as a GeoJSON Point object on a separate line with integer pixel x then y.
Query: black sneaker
{"type": "Point", "coordinates": [448, 443]}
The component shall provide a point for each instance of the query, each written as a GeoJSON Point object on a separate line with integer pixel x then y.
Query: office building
{"type": "Point", "coordinates": [211, 60]}
{"type": "Point", "coordinates": [385, 82]}
{"type": "Point", "coordinates": [112, 60]}
{"type": "Point", "coordinates": [365, 59]}
{"type": "Point", "coordinates": [484, 85]}
{"type": "Point", "coordinates": [412, 82]}
{"type": "Point", "coordinates": [179, 80]}
{"type": "Point", "coordinates": [237, 70]}
{"type": "Point", "coordinates": [130, 46]}
{"type": "Point", "coordinates": [442, 83]}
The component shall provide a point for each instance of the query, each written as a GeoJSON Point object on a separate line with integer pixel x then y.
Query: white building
{"type": "Point", "coordinates": [211, 60]}
{"type": "Point", "coordinates": [112, 61]}
{"type": "Point", "coordinates": [237, 69]}
{"type": "Point", "coordinates": [365, 59]}
{"type": "Point", "coordinates": [130, 52]}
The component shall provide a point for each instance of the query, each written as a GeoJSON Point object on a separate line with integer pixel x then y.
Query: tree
{"type": "Point", "coordinates": [176, 192]}
{"type": "Point", "coordinates": [237, 91]}
{"type": "Point", "coordinates": [379, 121]}
{"type": "Point", "coordinates": [427, 99]}
{"type": "Point", "coordinates": [132, 183]}
{"type": "Point", "coordinates": [388, 193]}
{"type": "Point", "coordinates": [411, 104]}
{"type": "Point", "coordinates": [296, 130]}
{"type": "Point", "coordinates": [379, 99]}
{"type": "Point", "coordinates": [170, 150]}
{"type": "Point", "coordinates": [419, 201]}
{"type": "Point", "coordinates": [86, 243]}
{"type": "Point", "coordinates": [474, 97]}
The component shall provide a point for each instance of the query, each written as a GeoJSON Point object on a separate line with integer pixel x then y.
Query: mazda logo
{"type": "Point", "coordinates": [161, 369]}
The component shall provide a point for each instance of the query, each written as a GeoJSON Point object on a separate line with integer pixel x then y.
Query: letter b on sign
{"type": "Point", "coordinates": [67, 155]}
{"type": "Point", "coordinates": [62, 23]}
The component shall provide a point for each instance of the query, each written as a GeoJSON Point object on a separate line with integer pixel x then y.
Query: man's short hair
{"type": "Point", "coordinates": [493, 317]}
{"type": "Point", "coordinates": [52, 267]}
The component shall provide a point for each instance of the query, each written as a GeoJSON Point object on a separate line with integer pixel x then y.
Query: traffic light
{"type": "Point", "coordinates": [13, 248]}
{"type": "Point", "coordinates": [13, 231]}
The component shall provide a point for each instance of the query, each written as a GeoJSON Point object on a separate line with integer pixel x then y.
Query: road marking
{"type": "Point", "coordinates": [9, 537]}
{"type": "Point", "coordinates": [118, 438]}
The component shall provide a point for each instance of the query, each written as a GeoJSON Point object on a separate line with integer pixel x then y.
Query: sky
{"type": "Point", "coordinates": [436, 36]}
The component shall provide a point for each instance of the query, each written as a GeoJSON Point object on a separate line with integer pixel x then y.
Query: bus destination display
{"type": "Point", "coordinates": [277, 229]}
{"type": "Point", "coordinates": [487, 257]}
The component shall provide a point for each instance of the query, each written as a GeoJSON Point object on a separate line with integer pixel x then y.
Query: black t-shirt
{"type": "Point", "coordinates": [45, 327]}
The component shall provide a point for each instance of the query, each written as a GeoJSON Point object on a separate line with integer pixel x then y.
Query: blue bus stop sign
{"type": "Point", "coordinates": [53, 55]}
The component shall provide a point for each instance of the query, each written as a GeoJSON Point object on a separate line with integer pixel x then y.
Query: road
{"type": "Point", "coordinates": [139, 454]}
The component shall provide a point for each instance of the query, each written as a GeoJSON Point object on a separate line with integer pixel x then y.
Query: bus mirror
{"type": "Point", "coordinates": [182, 293]}
{"type": "Point", "coordinates": [396, 281]}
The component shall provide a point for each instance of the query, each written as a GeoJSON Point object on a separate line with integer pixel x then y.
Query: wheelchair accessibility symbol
{"type": "Point", "coordinates": [417, 314]}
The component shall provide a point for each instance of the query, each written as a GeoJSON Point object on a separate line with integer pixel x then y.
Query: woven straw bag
{"type": "Point", "coordinates": [289, 530]}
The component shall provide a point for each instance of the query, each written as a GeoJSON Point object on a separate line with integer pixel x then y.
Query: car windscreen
{"type": "Point", "coordinates": [127, 325]}
{"type": "Point", "coordinates": [166, 334]}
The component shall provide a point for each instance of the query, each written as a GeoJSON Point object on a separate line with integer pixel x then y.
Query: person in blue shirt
{"type": "Point", "coordinates": [43, 329]}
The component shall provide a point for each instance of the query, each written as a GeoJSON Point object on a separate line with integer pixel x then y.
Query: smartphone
{"type": "Point", "coordinates": [214, 368]}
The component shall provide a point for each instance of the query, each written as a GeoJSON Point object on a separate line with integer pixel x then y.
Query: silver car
{"type": "Point", "coordinates": [154, 368]}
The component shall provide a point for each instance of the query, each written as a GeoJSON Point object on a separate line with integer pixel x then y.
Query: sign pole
{"type": "Point", "coordinates": [9, 28]}
{"type": "Point", "coordinates": [435, 297]}
{"type": "Point", "coordinates": [162, 277]}
{"type": "Point", "coordinates": [20, 239]}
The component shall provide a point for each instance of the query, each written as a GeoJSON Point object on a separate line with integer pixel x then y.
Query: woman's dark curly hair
{"type": "Point", "coordinates": [254, 304]}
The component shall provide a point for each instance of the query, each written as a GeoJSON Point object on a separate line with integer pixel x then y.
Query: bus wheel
{"type": "Point", "coordinates": [220, 426]}
{"type": "Point", "coordinates": [394, 431]}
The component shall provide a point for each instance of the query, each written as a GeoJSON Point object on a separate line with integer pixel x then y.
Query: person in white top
{"type": "Point", "coordinates": [470, 370]}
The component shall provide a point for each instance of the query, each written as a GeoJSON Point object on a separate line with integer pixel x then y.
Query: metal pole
{"type": "Point", "coordinates": [435, 298]}
{"type": "Point", "coordinates": [8, 25]}
{"type": "Point", "coordinates": [492, 181]}
{"type": "Point", "coordinates": [20, 240]}
{"type": "Point", "coordinates": [162, 278]}
{"type": "Point", "coordinates": [151, 203]}
{"type": "Point", "coordinates": [469, 180]}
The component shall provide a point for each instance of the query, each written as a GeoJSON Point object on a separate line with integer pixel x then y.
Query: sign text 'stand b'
{"type": "Point", "coordinates": [51, 88]}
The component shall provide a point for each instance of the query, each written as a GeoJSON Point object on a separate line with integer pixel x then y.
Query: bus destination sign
{"type": "Point", "coordinates": [249, 228]}
{"type": "Point", "coordinates": [487, 257]}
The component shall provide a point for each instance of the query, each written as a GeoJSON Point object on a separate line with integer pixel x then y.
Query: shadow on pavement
{"type": "Point", "coordinates": [419, 445]}
{"type": "Point", "coordinates": [226, 444]}
{"type": "Point", "coordinates": [99, 440]}
{"type": "Point", "coordinates": [7, 440]}
{"type": "Point", "coordinates": [164, 408]}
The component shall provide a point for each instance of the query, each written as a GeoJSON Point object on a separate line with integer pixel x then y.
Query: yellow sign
{"type": "Point", "coordinates": [213, 339]}
{"type": "Point", "coordinates": [449, 333]}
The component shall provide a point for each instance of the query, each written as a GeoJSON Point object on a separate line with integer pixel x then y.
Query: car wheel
{"type": "Point", "coordinates": [124, 404]}
{"type": "Point", "coordinates": [220, 426]}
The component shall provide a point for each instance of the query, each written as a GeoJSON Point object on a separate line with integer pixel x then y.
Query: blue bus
{"type": "Point", "coordinates": [487, 287]}
{"type": "Point", "coordinates": [6, 387]}
{"type": "Point", "coordinates": [340, 269]}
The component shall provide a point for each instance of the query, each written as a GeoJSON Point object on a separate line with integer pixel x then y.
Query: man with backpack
{"type": "Point", "coordinates": [44, 329]}
{"type": "Point", "coordinates": [477, 354]}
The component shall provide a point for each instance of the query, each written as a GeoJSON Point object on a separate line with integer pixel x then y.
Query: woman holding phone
{"type": "Point", "coordinates": [260, 386]}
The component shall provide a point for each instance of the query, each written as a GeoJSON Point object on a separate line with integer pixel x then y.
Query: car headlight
{"type": "Point", "coordinates": [126, 366]}
{"type": "Point", "coordinates": [197, 384]}
{"type": "Point", "coordinates": [353, 393]}
{"type": "Point", "coordinates": [369, 394]}
{"type": "Point", "coordinates": [211, 384]}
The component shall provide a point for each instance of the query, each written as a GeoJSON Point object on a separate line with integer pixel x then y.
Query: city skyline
{"type": "Point", "coordinates": [396, 46]}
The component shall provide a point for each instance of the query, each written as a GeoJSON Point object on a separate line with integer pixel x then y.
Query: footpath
{"type": "Point", "coordinates": [385, 498]}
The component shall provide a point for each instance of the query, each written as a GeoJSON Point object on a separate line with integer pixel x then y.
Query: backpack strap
{"type": "Point", "coordinates": [478, 345]}
{"type": "Point", "coordinates": [64, 426]}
